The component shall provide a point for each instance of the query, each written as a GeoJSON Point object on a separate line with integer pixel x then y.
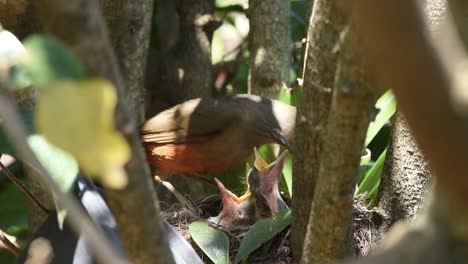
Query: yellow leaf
{"type": "Point", "coordinates": [78, 116]}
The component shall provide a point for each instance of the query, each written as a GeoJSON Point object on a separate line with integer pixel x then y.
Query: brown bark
{"type": "Point", "coordinates": [319, 73]}
{"type": "Point", "coordinates": [270, 46]}
{"type": "Point", "coordinates": [26, 22]}
{"type": "Point", "coordinates": [82, 27]}
{"type": "Point", "coordinates": [404, 180]}
{"type": "Point", "coordinates": [329, 230]}
{"type": "Point", "coordinates": [129, 24]}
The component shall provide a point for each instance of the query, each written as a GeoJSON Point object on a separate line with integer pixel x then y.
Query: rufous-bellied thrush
{"type": "Point", "coordinates": [206, 135]}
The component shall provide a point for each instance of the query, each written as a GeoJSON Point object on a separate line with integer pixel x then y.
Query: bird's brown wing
{"type": "Point", "coordinates": [191, 121]}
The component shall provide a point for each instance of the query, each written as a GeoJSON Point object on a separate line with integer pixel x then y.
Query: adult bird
{"type": "Point", "coordinates": [207, 135]}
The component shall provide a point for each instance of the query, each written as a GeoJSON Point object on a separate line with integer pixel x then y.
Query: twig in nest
{"type": "Point", "coordinates": [23, 188]}
{"type": "Point", "coordinates": [14, 249]}
{"type": "Point", "coordinates": [283, 242]}
{"type": "Point", "coordinates": [182, 200]}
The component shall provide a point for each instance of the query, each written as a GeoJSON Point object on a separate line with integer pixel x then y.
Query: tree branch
{"type": "Point", "coordinates": [329, 232]}
{"type": "Point", "coordinates": [319, 74]}
{"type": "Point", "coordinates": [23, 188]}
{"type": "Point", "coordinates": [6, 243]}
{"type": "Point", "coordinates": [129, 24]}
{"type": "Point", "coordinates": [269, 45]}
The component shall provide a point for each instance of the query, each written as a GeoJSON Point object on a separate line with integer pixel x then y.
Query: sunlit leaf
{"type": "Point", "coordinates": [61, 166]}
{"type": "Point", "coordinates": [49, 61]}
{"type": "Point", "coordinates": [371, 180]}
{"type": "Point", "coordinates": [387, 106]}
{"type": "Point", "coordinates": [217, 48]}
{"type": "Point", "coordinates": [287, 172]}
{"type": "Point", "coordinates": [261, 232]}
{"type": "Point", "coordinates": [213, 242]}
{"type": "Point", "coordinates": [11, 50]}
{"type": "Point", "coordinates": [79, 118]}
{"type": "Point", "coordinates": [290, 96]}
{"type": "Point", "coordinates": [366, 157]}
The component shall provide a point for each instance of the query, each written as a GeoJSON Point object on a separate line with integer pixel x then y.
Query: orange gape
{"type": "Point", "coordinates": [208, 135]}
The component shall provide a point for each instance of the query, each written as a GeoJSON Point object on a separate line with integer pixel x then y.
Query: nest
{"type": "Point", "coordinates": [277, 250]}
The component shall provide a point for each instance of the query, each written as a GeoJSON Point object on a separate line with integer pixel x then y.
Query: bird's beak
{"type": "Point", "coordinates": [269, 177]}
{"type": "Point", "coordinates": [235, 209]}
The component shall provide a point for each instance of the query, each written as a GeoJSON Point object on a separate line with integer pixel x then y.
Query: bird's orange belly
{"type": "Point", "coordinates": [194, 158]}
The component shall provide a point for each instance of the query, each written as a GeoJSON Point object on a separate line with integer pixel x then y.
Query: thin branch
{"type": "Point", "coordinates": [14, 249]}
{"type": "Point", "coordinates": [78, 218]}
{"type": "Point", "coordinates": [23, 188]}
{"type": "Point", "coordinates": [269, 46]}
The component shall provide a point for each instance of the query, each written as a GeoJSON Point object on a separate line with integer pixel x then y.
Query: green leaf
{"type": "Point", "coordinates": [261, 232]}
{"type": "Point", "coordinates": [287, 172]}
{"type": "Point", "coordinates": [49, 61]}
{"type": "Point", "coordinates": [371, 180]}
{"type": "Point", "coordinates": [229, 178]}
{"type": "Point", "coordinates": [363, 169]}
{"type": "Point", "coordinates": [290, 96]}
{"type": "Point", "coordinates": [217, 47]}
{"type": "Point", "coordinates": [12, 207]}
{"type": "Point", "coordinates": [60, 164]}
{"type": "Point", "coordinates": [387, 106]}
{"type": "Point", "coordinates": [213, 242]}
{"type": "Point", "coordinates": [27, 118]}
{"type": "Point", "coordinates": [13, 216]}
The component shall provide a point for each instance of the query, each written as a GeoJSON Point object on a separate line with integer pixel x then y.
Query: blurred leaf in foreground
{"type": "Point", "coordinates": [78, 116]}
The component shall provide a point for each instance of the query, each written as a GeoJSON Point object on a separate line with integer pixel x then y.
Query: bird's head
{"type": "Point", "coordinates": [236, 210]}
{"type": "Point", "coordinates": [263, 182]}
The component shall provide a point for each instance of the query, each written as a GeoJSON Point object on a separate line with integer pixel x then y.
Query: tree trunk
{"type": "Point", "coordinates": [129, 24]}
{"type": "Point", "coordinates": [329, 232]}
{"type": "Point", "coordinates": [270, 46]}
{"type": "Point", "coordinates": [404, 180]}
{"type": "Point", "coordinates": [319, 73]}
{"type": "Point", "coordinates": [180, 69]}
{"type": "Point", "coordinates": [83, 28]}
